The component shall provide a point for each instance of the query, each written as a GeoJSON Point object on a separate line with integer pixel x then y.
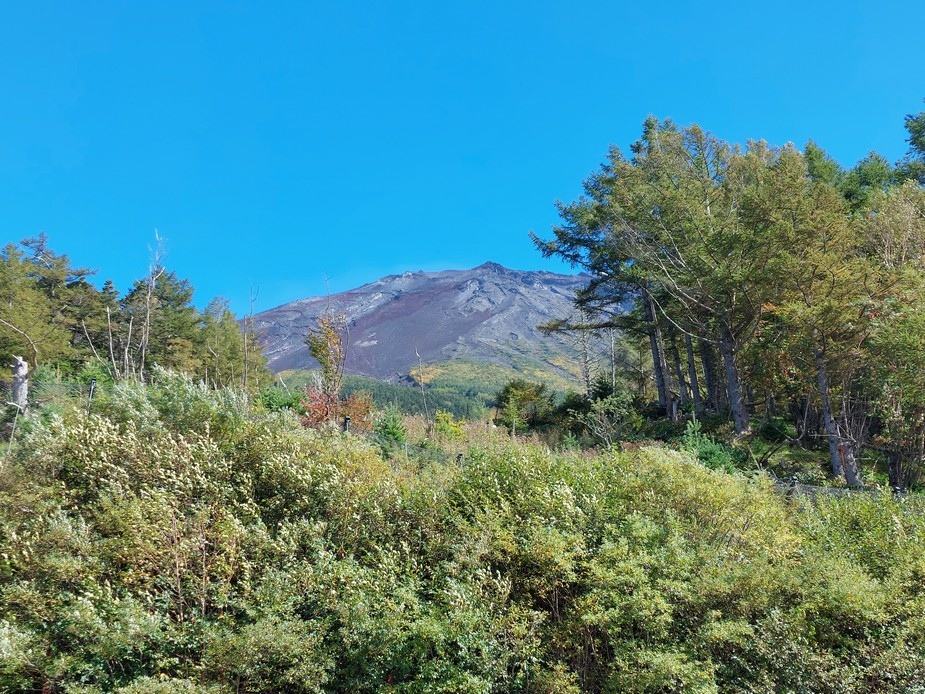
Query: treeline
{"type": "Point", "coordinates": [52, 315]}
{"type": "Point", "coordinates": [765, 282]}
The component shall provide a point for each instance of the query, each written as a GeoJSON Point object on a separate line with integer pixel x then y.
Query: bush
{"type": "Point", "coordinates": [178, 540]}
{"type": "Point", "coordinates": [391, 425]}
{"type": "Point", "coordinates": [275, 398]}
{"type": "Point", "coordinates": [446, 426]}
{"type": "Point", "coordinates": [708, 451]}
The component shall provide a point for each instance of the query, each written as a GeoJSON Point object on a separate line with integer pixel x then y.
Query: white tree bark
{"type": "Point", "coordinates": [20, 383]}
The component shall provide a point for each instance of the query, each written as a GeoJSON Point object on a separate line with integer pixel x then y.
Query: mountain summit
{"type": "Point", "coordinates": [488, 313]}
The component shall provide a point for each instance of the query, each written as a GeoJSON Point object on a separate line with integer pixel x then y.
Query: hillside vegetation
{"type": "Point", "coordinates": [178, 539]}
{"type": "Point", "coordinates": [466, 389]}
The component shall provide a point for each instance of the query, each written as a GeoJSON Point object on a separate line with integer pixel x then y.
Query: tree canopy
{"type": "Point", "coordinates": [53, 316]}
{"type": "Point", "coordinates": [776, 263]}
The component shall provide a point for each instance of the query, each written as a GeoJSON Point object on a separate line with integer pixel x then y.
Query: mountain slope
{"type": "Point", "coordinates": [486, 314]}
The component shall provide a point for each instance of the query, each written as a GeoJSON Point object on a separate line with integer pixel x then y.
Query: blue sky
{"type": "Point", "coordinates": [297, 148]}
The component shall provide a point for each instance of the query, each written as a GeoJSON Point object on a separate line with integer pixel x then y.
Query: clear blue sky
{"type": "Point", "coordinates": [305, 147]}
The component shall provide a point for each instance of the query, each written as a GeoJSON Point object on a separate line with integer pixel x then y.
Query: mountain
{"type": "Point", "coordinates": [486, 314]}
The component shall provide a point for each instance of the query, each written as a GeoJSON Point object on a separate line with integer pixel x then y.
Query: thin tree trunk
{"type": "Point", "coordinates": [895, 469]}
{"type": "Point", "coordinates": [692, 375]}
{"type": "Point", "coordinates": [658, 355]}
{"type": "Point", "coordinates": [709, 373]}
{"type": "Point", "coordinates": [770, 406]}
{"type": "Point", "coordinates": [678, 368]}
{"type": "Point", "coordinates": [749, 399]}
{"type": "Point", "coordinates": [733, 385]}
{"type": "Point", "coordinates": [841, 450]}
{"type": "Point", "coordinates": [584, 341]}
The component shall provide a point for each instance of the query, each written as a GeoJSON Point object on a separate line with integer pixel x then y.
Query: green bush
{"type": "Point", "coordinates": [391, 425]}
{"type": "Point", "coordinates": [707, 450]}
{"type": "Point", "coordinates": [177, 539]}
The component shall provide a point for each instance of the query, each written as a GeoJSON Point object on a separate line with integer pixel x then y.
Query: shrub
{"type": "Point", "coordinates": [446, 426]}
{"type": "Point", "coordinates": [177, 540]}
{"type": "Point", "coordinates": [391, 425]}
{"type": "Point", "coordinates": [708, 451]}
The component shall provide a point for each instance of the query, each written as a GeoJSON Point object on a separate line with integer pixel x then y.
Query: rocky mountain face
{"type": "Point", "coordinates": [485, 314]}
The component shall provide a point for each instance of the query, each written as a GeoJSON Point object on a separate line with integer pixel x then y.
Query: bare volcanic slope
{"type": "Point", "coordinates": [487, 314]}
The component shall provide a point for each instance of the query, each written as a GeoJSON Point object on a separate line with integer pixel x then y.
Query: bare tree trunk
{"type": "Point", "coordinates": [749, 399]}
{"type": "Point", "coordinates": [584, 343]}
{"type": "Point", "coordinates": [678, 368]}
{"type": "Point", "coordinates": [692, 375]}
{"type": "Point", "coordinates": [709, 373]}
{"type": "Point", "coordinates": [155, 272]}
{"type": "Point", "coordinates": [20, 383]}
{"type": "Point", "coordinates": [841, 449]}
{"type": "Point", "coordinates": [248, 327]}
{"type": "Point", "coordinates": [895, 474]}
{"type": "Point", "coordinates": [127, 362]}
{"type": "Point", "coordinates": [658, 355]}
{"type": "Point", "coordinates": [146, 324]}
{"type": "Point", "coordinates": [733, 385]}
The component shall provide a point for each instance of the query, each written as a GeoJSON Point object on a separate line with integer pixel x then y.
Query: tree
{"type": "Point", "coordinates": [391, 425]}
{"type": "Point", "coordinates": [895, 365]}
{"type": "Point", "coordinates": [163, 325]}
{"type": "Point", "coordinates": [869, 177]}
{"type": "Point", "coordinates": [897, 369]}
{"type": "Point", "coordinates": [912, 166]}
{"type": "Point", "coordinates": [33, 304]}
{"type": "Point", "coordinates": [664, 229]}
{"type": "Point", "coordinates": [225, 359]}
{"type": "Point", "coordinates": [610, 419]}
{"type": "Point", "coordinates": [327, 343]}
{"type": "Point", "coordinates": [822, 295]}
{"type": "Point", "coordinates": [522, 404]}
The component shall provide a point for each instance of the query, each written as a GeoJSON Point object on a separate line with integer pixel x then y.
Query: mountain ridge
{"type": "Point", "coordinates": [489, 313]}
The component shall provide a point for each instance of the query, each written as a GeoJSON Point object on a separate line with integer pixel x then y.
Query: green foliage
{"type": "Point", "coordinates": [327, 346]}
{"type": "Point", "coordinates": [802, 276]}
{"type": "Point", "coordinates": [35, 291]}
{"type": "Point", "coordinates": [177, 539]}
{"type": "Point", "coordinates": [708, 451]}
{"type": "Point", "coordinates": [523, 405]}
{"type": "Point", "coordinates": [912, 165]}
{"type": "Point", "coordinates": [391, 425]}
{"type": "Point", "coordinates": [52, 316]}
{"type": "Point", "coordinates": [461, 402]}
{"type": "Point", "coordinates": [609, 419]}
{"type": "Point", "coordinates": [446, 426]}
{"type": "Point", "coordinates": [276, 398]}
{"type": "Point", "coordinates": [231, 354]}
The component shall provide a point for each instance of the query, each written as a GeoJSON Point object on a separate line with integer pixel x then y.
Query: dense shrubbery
{"type": "Point", "coordinates": [177, 540]}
